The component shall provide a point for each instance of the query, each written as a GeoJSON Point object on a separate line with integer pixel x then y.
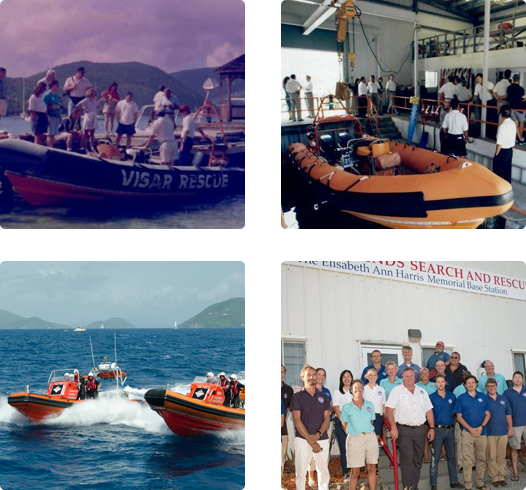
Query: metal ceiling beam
{"type": "Point", "coordinates": [318, 17]}
{"type": "Point", "coordinates": [498, 7]}
{"type": "Point", "coordinates": [440, 5]}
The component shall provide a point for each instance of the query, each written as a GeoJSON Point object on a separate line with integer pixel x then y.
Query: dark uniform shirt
{"type": "Point", "coordinates": [286, 396]}
{"type": "Point", "coordinates": [457, 375]}
{"type": "Point", "coordinates": [443, 408]}
{"type": "Point", "coordinates": [312, 410]}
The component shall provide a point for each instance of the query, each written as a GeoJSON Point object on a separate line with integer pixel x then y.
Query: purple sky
{"type": "Point", "coordinates": [170, 34]}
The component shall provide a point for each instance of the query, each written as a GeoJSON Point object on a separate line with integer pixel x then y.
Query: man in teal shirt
{"type": "Point", "coordinates": [490, 373]}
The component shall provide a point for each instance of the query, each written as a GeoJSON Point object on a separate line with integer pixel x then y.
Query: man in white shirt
{"type": "Point", "coordinates": [158, 98]}
{"type": "Point", "coordinates": [126, 111]}
{"type": "Point", "coordinates": [75, 87]}
{"type": "Point", "coordinates": [500, 92]}
{"type": "Point", "coordinates": [407, 408]}
{"type": "Point", "coordinates": [163, 129]}
{"type": "Point", "coordinates": [187, 135]}
{"type": "Point", "coordinates": [491, 114]}
{"type": "Point", "coordinates": [309, 96]}
{"type": "Point", "coordinates": [455, 126]}
{"type": "Point", "coordinates": [449, 89]}
{"type": "Point", "coordinates": [373, 87]}
{"type": "Point", "coordinates": [293, 87]}
{"type": "Point", "coordinates": [390, 87]}
{"type": "Point", "coordinates": [463, 93]}
{"type": "Point", "coordinates": [362, 100]}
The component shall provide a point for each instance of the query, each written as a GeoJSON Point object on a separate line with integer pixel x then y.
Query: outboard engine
{"type": "Point", "coordinates": [137, 156]}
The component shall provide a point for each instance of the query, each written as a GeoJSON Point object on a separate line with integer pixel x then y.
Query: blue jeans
{"type": "Point", "coordinates": [443, 437]}
{"type": "Point", "coordinates": [341, 437]}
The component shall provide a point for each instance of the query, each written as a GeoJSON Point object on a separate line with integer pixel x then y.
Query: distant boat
{"type": "Point", "coordinates": [79, 329]}
{"type": "Point", "coordinates": [176, 327]}
{"type": "Point", "coordinates": [102, 326]}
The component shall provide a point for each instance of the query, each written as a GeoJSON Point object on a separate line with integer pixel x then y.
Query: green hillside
{"type": "Point", "coordinates": [139, 78]}
{"type": "Point", "coordinates": [227, 314]}
{"type": "Point", "coordinates": [111, 323]}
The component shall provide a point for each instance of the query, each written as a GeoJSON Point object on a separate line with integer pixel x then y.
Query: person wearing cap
{"type": "Point", "coordinates": [126, 111]}
{"type": "Point", "coordinates": [163, 129]}
{"type": "Point", "coordinates": [76, 87]}
{"type": "Point", "coordinates": [92, 386]}
{"type": "Point", "coordinates": [502, 386]}
{"type": "Point", "coordinates": [50, 77]}
{"type": "Point", "coordinates": [439, 355]}
{"type": "Point", "coordinates": [187, 135]}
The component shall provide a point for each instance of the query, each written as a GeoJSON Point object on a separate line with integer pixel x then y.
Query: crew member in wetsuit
{"type": "Point", "coordinates": [92, 386]}
{"type": "Point", "coordinates": [81, 383]}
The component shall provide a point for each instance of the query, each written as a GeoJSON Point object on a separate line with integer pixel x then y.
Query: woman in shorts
{"type": "Point", "coordinates": [38, 110]}
{"type": "Point", "coordinates": [111, 97]}
{"type": "Point", "coordinates": [89, 122]}
{"type": "Point", "coordinates": [358, 417]}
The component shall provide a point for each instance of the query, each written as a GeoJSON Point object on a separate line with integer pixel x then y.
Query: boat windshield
{"type": "Point", "coordinates": [203, 379]}
{"type": "Point", "coordinates": [60, 375]}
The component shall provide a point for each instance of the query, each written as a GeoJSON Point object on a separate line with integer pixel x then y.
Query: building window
{"type": "Point", "coordinates": [427, 352]}
{"type": "Point", "coordinates": [431, 79]}
{"type": "Point", "coordinates": [519, 364]}
{"type": "Point", "coordinates": [294, 357]}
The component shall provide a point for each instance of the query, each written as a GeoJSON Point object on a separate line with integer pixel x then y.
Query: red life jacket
{"type": "Point", "coordinates": [224, 382]}
{"type": "Point", "coordinates": [77, 379]}
{"type": "Point", "coordinates": [90, 385]}
{"type": "Point", "coordinates": [234, 387]}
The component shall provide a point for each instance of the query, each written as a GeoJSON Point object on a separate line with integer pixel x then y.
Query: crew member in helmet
{"type": "Point", "coordinates": [81, 383]}
{"type": "Point", "coordinates": [223, 382]}
{"type": "Point", "coordinates": [210, 379]}
{"type": "Point", "coordinates": [92, 386]}
{"type": "Point", "coordinates": [234, 392]}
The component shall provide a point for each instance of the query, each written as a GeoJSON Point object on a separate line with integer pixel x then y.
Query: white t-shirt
{"type": "Point", "coordinates": [409, 408]}
{"type": "Point", "coordinates": [189, 125]}
{"type": "Point", "coordinates": [163, 129]}
{"type": "Point", "coordinates": [89, 105]}
{"type": "Point", "coordinates": [362, 88]}
{"type": "Point", "coordinates": [376, 396]}
{"type": "Point", "coordinates": [501, 88]}
{"type": "Point", "coordinates": [464, 94]}
{"type": "Point", "coordinates": [82, 85]}
{"type": "Point", "coordinates": [455, 122]}
{"type": "Point", "coordinates": [293, 86]}
{"type": "Point", "coordinates": [390, 86]}
{"type": "Point", "coordinates": [157, 105]}
{"type": "Point", "coordinates": [478, 90]}
{"type": "Point", "coordinates": [507, 133]}
{"type": "Point", "coordinates": [449, 90]}
{"type": "Point", "coordinates": [308, 87]}
{"type": "Point", "coordinates": [37, 104]}
{"type": "Point", "coordinates": [373, 87]}
{"type": "Point", "coordinates": [127, 110]}
{"type": "Point", "coordinates": [339, 400]}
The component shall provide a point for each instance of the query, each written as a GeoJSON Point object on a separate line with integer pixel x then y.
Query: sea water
{"type": "Point", "coordinates": [226, 213]}
{"type": "Point", "coordinates": [109, 442]}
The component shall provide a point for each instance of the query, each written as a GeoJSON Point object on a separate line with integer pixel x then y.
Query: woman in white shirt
{"type": "Point", "coordinates": [340, 397]}
{"type": "Point", "coordinates": [38, 110]}
{"type": "Point", "coordinates": [376, 395]}
{"type": "Point", "coordinates": [89, 122]}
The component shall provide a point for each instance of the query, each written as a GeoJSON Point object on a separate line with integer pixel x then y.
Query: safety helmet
{"type": "Point", "coordinates": [210, 375]}
{"type": "Point", "coordinates": [222, 374]}
{"type": "Point", "coordinates": [66, 375]}
{"type": "Point", "coordinates": [234, 377]}
{"type": "Point", "coordinates": [76, 371]}
{"type": "Point", "coordinates": [90, 374]}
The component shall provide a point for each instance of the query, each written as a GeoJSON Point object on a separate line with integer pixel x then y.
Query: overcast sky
{"type": "Point", "coordinates": [147, 294]}
{"type": "Point", "coordinates": [173, 35]}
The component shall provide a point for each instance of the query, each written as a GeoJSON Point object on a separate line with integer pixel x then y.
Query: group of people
{"type": "Point", "coordinates": [88, 387]}
{"type": "Point", "coordinates": [360, 91]}
{"type": "Point", "coordinates": [232, 388]}
{"type": "Point", "coordinates": [439, 408]}
{"type": "Point", "coordinates": [79, 126]}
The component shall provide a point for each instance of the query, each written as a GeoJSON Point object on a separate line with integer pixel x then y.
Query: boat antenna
{"type": "Point", "coordinates": [115, 337]}
{"type": "Point", "coordinates": [91, 351]}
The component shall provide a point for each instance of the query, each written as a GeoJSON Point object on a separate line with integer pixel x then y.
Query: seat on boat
{"type": "Point", "coordinates": [328, 147]}
{"type": "Point", "coordinates": [111, 152]}
{"type": "Point", "coordinates": [344, 138]}
{"type": "Point", "coordinates": [380, 147]}
{"type": "Point", "coordinates": [389, 160]}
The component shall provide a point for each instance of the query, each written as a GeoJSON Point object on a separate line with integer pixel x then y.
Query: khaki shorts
{"type": "Point", "coordinates": [169, 151]}
{"type": "Point", "coordinates": [518, 433]}
{"type": "Point", "coordinates": [3, 107]}
{"type": "Point", "coordinates": [362, 449]}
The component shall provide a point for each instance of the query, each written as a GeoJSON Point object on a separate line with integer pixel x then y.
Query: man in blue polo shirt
{"type": "Point", "coordinates": [407, 354]}
{"type": "Point", "coordinates": [311, 410]}
{"type": "Point", "coordinates": [517, 398]}
{"type": "Point", "coordinates": [376, 357]}
{"type": "Point", "coordinates": [472, 409]}
{"type": "Point", "coordinates": [490, 373]}
{"type": "Point", "coordinates": [443, 404]}
{"type": "Point", "coordinates": [439, 355]}
{"type": "Point", "coordinates": [499, 429]}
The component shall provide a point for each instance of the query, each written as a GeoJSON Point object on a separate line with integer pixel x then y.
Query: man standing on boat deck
{"type": "Point", "coordinates": [187, 136]}
{"type": "Point", "coordinates": [311, 410]}
{"type": "Point", "coordinates": [126, 111]}
{"type": "Point", "coordinates": [157, 100]}
{"type": "Point", "coordinates": [76, 87]}
{"type": "Point", "coordinates": [170, 104]}
{"type": "Point", "coordinates": [50, 77]}
{"type": "Point", "coordinates": [3, 102]}
{"type": "Point", "coordinates": [92, 386]}
{"type": "Point", "coordinates": [81, 383]}
{"type": "Point", "coordinates": [163, 129]}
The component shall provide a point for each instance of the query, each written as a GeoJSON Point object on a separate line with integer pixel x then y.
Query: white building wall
{"type": "Point", "coordinates": [337, 312]}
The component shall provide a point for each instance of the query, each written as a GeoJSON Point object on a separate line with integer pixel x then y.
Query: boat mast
{"type": "Point", "coordinates": [92, 357]}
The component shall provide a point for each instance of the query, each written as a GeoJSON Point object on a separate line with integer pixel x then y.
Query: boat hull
{"type": "Point", "coordinates": [39, 407]}
{"type": "Point", "coordinates": [50, 177]}
{"type": "Point", "coordinates": [189, 417]}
